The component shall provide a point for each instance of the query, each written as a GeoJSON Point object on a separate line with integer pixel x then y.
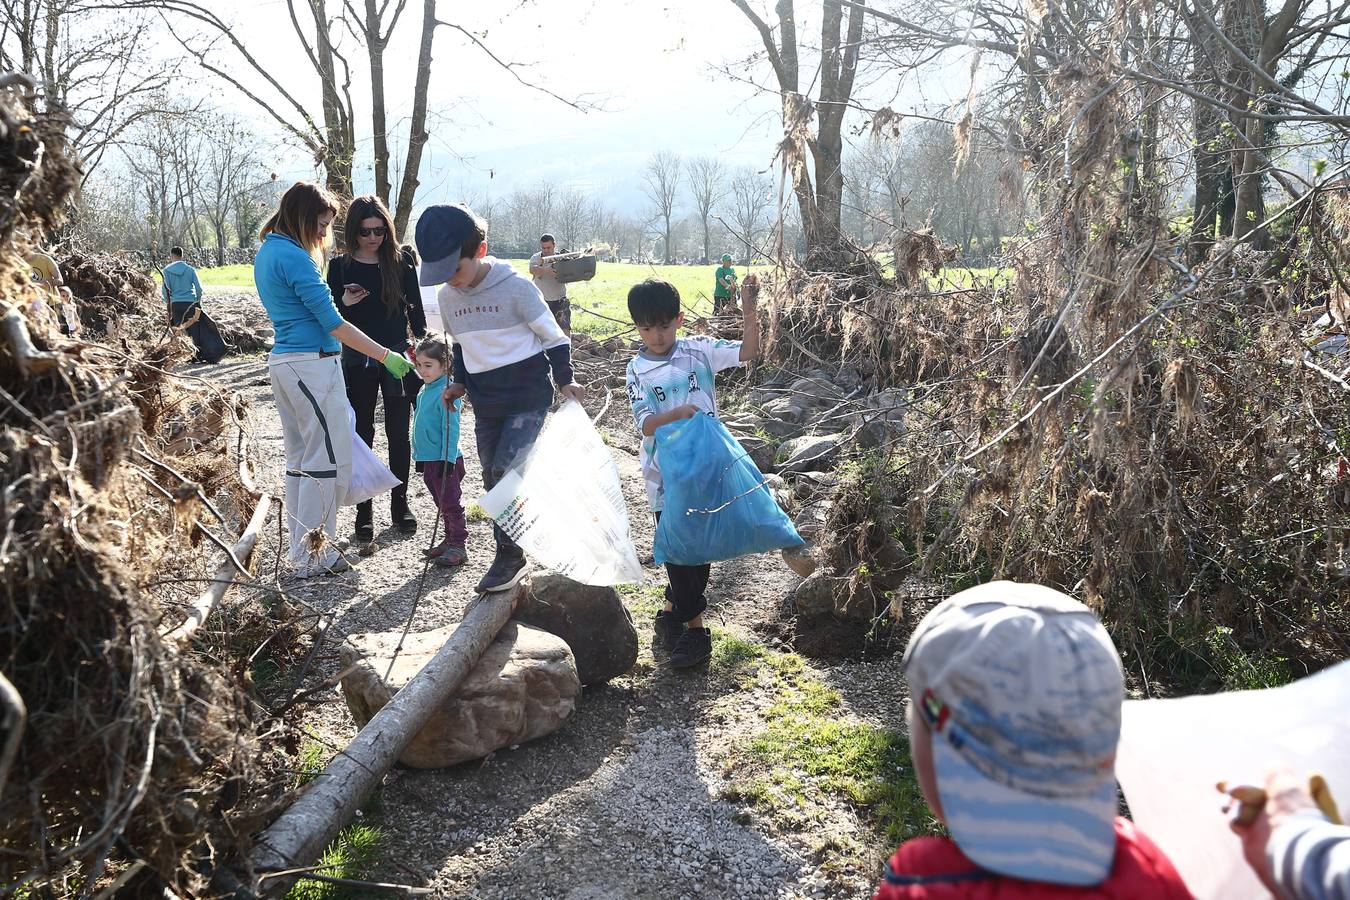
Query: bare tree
{"type": "Point", "coordinates": [94, 62]}
{"type": "Point", "coordinates": [706, 178]}
{"type": "Point", "coordinates": [661, 184]}
{"type": "Point", "coordinates": [751, 200]}
{"type": "Point", "coordinates": [231, 167]}
{"type": "Point", "coordinates": [571, 214]}
{"type": "Point", "coordinates": [819, 203]}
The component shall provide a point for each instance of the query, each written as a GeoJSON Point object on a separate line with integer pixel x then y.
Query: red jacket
{"type": "Point", "coordinates": [934, 868]}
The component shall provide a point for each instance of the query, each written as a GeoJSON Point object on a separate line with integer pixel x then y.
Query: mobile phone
{"type": "Point", "coordinates": [354, 288]}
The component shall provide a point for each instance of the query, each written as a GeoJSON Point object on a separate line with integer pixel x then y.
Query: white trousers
{"type": "Point", "coordinates": [311, 399]}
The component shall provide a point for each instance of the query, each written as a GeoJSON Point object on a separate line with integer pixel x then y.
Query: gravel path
{"type": "Point", "coordinates": [626, 800]}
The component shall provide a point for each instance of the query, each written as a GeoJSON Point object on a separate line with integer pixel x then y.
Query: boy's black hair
{"type": "Point", "coordinates": [469, 249]}
{"type": "Point", "coordinates": [546, 239]}
{"type": "Point", "coordinates": [176, 251]}
{"type": "Point", "coordinates": [653, 302]}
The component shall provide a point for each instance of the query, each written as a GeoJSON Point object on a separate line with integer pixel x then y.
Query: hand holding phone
{"type": "Point", "coordinates": [354, 294]}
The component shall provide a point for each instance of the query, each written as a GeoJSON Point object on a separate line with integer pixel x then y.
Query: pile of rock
{"type": "Point", "coordinates": [798, 429]}
{"type": "Point", "coordinates": [563, 635]}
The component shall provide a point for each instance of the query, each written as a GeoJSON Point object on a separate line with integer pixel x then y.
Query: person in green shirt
{"type": "Point", "coordinates": [724, 294]}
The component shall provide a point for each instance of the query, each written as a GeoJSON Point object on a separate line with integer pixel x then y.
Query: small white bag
{"type": "Point", "coordinates": [370, 477]}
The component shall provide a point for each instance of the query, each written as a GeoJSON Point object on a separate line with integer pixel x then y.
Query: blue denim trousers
{"type": "Point", "coordinates": [502, 440]}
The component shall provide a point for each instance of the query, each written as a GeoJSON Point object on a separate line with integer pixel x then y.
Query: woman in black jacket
{"type": "Point", "coordinates": [382, 277]}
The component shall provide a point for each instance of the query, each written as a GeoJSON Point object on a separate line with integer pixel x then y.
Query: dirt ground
{"type": "Point", "coordinates": [628, 799]}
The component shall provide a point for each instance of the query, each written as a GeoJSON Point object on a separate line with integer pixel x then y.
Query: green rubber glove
{"type": "Point", "coordinates": [397, 364]}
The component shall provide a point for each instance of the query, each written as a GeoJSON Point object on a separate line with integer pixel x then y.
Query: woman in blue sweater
{"type": "Point", "coordinates": [306, 372]}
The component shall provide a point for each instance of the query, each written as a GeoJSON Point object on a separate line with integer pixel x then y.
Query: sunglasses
{"type": "Point", "coordinates": [377, 231]}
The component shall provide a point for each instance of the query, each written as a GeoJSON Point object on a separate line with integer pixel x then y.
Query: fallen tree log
{"type": "Point", "coordinates": [224, 578]}
{"type": "Point", "coordinates": [330, 801]}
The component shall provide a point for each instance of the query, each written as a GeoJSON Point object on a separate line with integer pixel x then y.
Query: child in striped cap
{"type": "Point", "coordinates": [1014, 716]}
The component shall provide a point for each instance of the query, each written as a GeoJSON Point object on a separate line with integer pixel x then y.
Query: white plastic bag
{"type": "Point", "coordinates": [1173, 752]}
{"type": "Point", "coordinates": [370, 477]}
{"type": "Point", "coordinates": [564, 505]}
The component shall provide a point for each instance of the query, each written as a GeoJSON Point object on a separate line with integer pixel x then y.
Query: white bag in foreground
{"type": "Point", "coordinates": [1173, 752]}
{"type": "Point", "coordinates": [565, 507]}
{"type": "Point", "coordinates": [370, 477]}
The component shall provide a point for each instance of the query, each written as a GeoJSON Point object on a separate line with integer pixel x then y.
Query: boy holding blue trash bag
{"type": "Point", "coordinates": [713, 497]}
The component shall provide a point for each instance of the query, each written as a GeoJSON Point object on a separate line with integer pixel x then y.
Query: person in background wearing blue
{"type": "Point", "coordinates": [306, 372]}
{"type": "Point", "coordinates": [387, 306]}
{"type": "Point", "coordinates": [183, 294]}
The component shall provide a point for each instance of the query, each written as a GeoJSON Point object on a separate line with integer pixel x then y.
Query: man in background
{"type": "Point", "coordinates": [546, 279]}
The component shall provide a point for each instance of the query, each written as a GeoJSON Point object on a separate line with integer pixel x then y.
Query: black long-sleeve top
{"type": "Point", "coordinates": [370, 315]}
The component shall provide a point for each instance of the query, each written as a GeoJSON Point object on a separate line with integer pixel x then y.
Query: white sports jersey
{"type": "Point", "coordinates": [658, 384]}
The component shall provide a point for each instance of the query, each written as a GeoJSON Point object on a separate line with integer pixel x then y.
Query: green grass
{"type": "Point", "coordinates": [809, 751]}
{"type": "Point", "coordinates": [309, 762]}
{"type": "Point", "coordinates": [351, 855]}
{"type": "Point", "coordinates": [964, 277]}
{"type": "Point", "coordinates": [607, 293]}
{"type": "Point", "coordinates": [240, 276]}
{"type": "Point", "coordinates": [476, 513]}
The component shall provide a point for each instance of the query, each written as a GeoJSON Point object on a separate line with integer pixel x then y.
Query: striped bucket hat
{"type": "Point", "coordinates": [1022, 688]}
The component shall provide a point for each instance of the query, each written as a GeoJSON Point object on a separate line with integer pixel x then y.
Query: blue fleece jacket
{"type": "Point", "coordinates": [435, 429]}
{"type": "Point", "coordinates": [295, 296]}
{"type": "Point", "coordinates": [181, 284]}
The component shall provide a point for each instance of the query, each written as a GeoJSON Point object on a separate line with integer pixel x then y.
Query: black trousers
{"type": "Point", "coordinates": [687, 589]}
{"type": "Point", "coordinates": [365, 383]}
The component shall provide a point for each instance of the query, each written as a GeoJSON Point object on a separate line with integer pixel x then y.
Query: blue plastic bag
{"type": "Point", "coordinates": [716, 503]}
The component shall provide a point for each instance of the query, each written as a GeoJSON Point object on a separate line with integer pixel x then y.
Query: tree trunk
{"type": "Point", "coordinates": [417, 130]}
{"type": "Point", "coordinates": [332, 799]}
{"type": "Point", "coordinates": [1244, 28]}
{"type": "Point", "coordinates": [379, 132]}
{"type": "Point", "coordinates": [339, 150]}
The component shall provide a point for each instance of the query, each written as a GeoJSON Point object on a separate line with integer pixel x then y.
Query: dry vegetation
{"type": "Point", "coordinates": [1111, 422]}
{"type": "Point", "coordinates": [139, 758]}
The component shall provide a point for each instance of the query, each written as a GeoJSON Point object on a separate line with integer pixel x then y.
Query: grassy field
{"type": "Point", "coordinates": [605, 295]}
{"type": "Point", "coordinates": [598, 303]}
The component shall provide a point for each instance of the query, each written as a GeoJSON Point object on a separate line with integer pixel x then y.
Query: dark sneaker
{"type": "Point", "coordinates": [667, 629]}
{"type": "Point", "coordinates": [450, 557]}
{"type": "Point", "coordinates": [504, 574]}
{"type": "Point", "coordinates": [692, 649]}
{"type": "Point", "coordinates": [402, 517]}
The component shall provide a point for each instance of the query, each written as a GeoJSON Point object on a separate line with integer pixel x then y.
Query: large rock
{"type": "Point", "coordinates": [760, 450]}
{"type": "Point", "coordinates": [810, 520]}
{"type": "Point", "coordinates": [524, 687]}
{"type": "Point", "coordinates": [808, 484]}
{"type": "Point", "coordinates": [820, 595]}
{"type": "Point", "coordinates": [883, 417]}
{"type": "Point", "coordinates": [787, 409]}
{"type": "Point", "coordinates": [592, 620]}
{"type": "Point", "coordinates": [812, 453]}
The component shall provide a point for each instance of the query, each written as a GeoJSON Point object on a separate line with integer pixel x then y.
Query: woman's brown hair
{"type": "Point", "coordinates": [390, 255]}
{"type": "Point", "coordinates": [297, 215]}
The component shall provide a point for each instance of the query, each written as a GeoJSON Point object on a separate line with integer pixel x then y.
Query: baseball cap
{"type": "Point", "coordinates": [441, 231]}
{"type": "Point", "coordinates": [726, 257]}
{"type": "Point", "coordinates": [1022, 690]}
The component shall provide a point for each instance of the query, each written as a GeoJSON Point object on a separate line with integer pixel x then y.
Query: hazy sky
{"type": "Point", "coordinates": [652, 66]}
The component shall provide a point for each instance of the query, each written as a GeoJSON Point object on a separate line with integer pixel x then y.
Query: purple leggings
{"type": "Point", "coordinates": [443, 480]}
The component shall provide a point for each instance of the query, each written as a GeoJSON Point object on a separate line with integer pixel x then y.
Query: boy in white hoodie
{"type": "Point", "coordinates": [505, 343]}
